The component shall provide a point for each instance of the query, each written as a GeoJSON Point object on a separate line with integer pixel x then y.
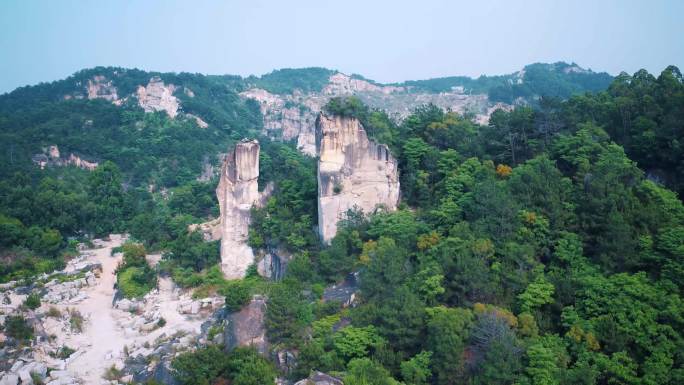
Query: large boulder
{"type": "Point", "coordinates": [345, 292]}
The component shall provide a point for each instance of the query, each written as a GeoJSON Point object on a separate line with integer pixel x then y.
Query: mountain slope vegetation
{"type": "Point", "coordinates": [543, 248]}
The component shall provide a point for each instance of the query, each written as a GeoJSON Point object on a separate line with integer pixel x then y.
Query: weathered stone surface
{"type": "Point", "coordinates": [9, 379]}
{"type": "Point", "coordinates": [246, 327]}
{"type": "Point", "coordinates": [345, 292]}
{"type": "Point", "coordinates": [319, 378]}
{"type": "Point", "coordinates": [200, 123]}
{"type": "Point", "coordinates": [289, 117]}
{"type": "Point", "coordinates": [353, 172]}
{"type": "Point", "coordinates": [210, 230]}
{"type": "Point", "coordinates": [81, 163]}
{"type": "Point", "coordinates": [341, 84]}
{"type": "Point", "coordinates": [100, 88]}
{"type": "Point", "coordinates": [237, 192]}
{"type": "Point", "coordinates": [51, 157]}
{"type": "Point", "coordinates": [157, 96]}
{"type": "Point", "coordinates": [274, 264]}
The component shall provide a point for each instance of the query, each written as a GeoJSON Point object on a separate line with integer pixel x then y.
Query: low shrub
{"type": "Point", "coordinates": [32, 301]}
{"type": "Point", "coordinates": [135, 282]}
{"type": "Point", "coordinates": [135, 277]}
{"type": "Point", "coordinates": [53, 312]}
{"type": "Point", "coordinates": [237, 294]}
{"type": "Point", "coordinates": [75, 320]}
{"type": "Point", "coordinates": [17, 328]}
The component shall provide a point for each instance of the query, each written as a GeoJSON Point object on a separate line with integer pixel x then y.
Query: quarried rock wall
{"type": "Point", "coordinates": [353, 172]}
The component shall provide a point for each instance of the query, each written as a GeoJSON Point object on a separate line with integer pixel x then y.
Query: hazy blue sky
{"type": "Point", "coordinates": [383, 40]}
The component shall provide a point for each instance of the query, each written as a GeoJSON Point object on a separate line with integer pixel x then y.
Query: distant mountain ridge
{"type": "Point", "coordinates": [105, 112]}
{"type": "Point", "coordinates": [558, 79]}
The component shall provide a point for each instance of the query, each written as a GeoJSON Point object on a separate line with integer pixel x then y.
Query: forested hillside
{"type": "Point", "coordinates": [560, 80]}
{"type": "Point", "coordinates": [530, 251]}
{"type": "Point", "coordinates": [544, 248]}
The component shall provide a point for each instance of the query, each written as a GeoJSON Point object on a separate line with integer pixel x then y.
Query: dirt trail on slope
{"type": "Point", "coordinates": [100, 330]}
{"type": "Point", "coordinates": [102, 342]}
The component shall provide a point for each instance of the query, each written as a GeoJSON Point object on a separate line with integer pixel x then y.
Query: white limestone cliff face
{"type": "Point", "coordinates": [77, 161]}
{"type": "Point", "coordinates": [341, 84]}
{"type": "Point", "coordinates": [289, 117]}
{"type": "Point", "coordinates": [237, 192]}
{"type": "Point", "coordinates": [353, 172]}
{"type": "Point", "coordinates": [293, 116]}
{"type": "Point", "coordinates": [157, 96]}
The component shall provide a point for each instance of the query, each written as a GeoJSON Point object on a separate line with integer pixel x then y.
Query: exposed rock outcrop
{"type": "Point", "coordinates": [51, 157]}
{"type": "Point", "coordinates": [200, 123]}
{"type": "Point", "coordinates": [157, 96]}
{"type": "Point", "coordinates": [345, 292]}
{"type": "Point", "coordinates": [354, 173]}
{"type": "Point", "coordinates": [237, 192]}
{"type": "Point", "coordinates": [293, 116]}
{"type": "Point", "coordinates": [341, 84]}
{"type": "Point", "coordinates": [319, 378]}
{"type": "Point", "coordinates": [99, 87]}
{"type": "Point", "coordinates": [289, 117]}
{"type": "Point", "coordinates": [273, 264]}
{"type": "Point", "coordinates": [77, 161]}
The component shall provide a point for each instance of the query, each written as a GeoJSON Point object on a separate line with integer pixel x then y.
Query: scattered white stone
{"type": "Point", "coordinates": [17, 366]}
{"type": "Point", "coordinates": [9, 379]}
{"type": "Point", "coordinates": [55, 374]}
{"type": "Point", "coordinates": [25, 377]}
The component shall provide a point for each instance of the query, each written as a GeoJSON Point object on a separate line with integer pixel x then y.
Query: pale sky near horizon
{"type": "Point", "coordinates": [387, 41]}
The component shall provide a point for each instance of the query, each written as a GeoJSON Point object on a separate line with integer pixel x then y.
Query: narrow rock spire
{"type": "Point", "coordinates": [237, 192]}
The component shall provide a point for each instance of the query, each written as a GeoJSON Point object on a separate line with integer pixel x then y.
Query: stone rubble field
{"type": "Point", "coordinates": [85, 334]}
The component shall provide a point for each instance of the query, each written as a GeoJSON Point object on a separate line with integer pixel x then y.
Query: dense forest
{"type": "Point", "coordinates": [544, 248]}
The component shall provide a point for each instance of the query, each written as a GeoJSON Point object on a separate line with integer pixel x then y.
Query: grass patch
{"type": "Point", "coordinates": [113, 374]}
{"type": "Point", "coordinates": [75, 320]}
{"type": "Point", "coordinates": [53, 312]}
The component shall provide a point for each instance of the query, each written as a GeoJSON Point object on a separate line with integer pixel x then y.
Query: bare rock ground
{"type": "Point", "coordinates": [83, 315]}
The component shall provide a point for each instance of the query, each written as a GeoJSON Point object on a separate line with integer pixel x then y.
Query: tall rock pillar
{"type": "Point", "coordinates": [353, 172]}
{"type": "Point", "coordinates": [237, 191]}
